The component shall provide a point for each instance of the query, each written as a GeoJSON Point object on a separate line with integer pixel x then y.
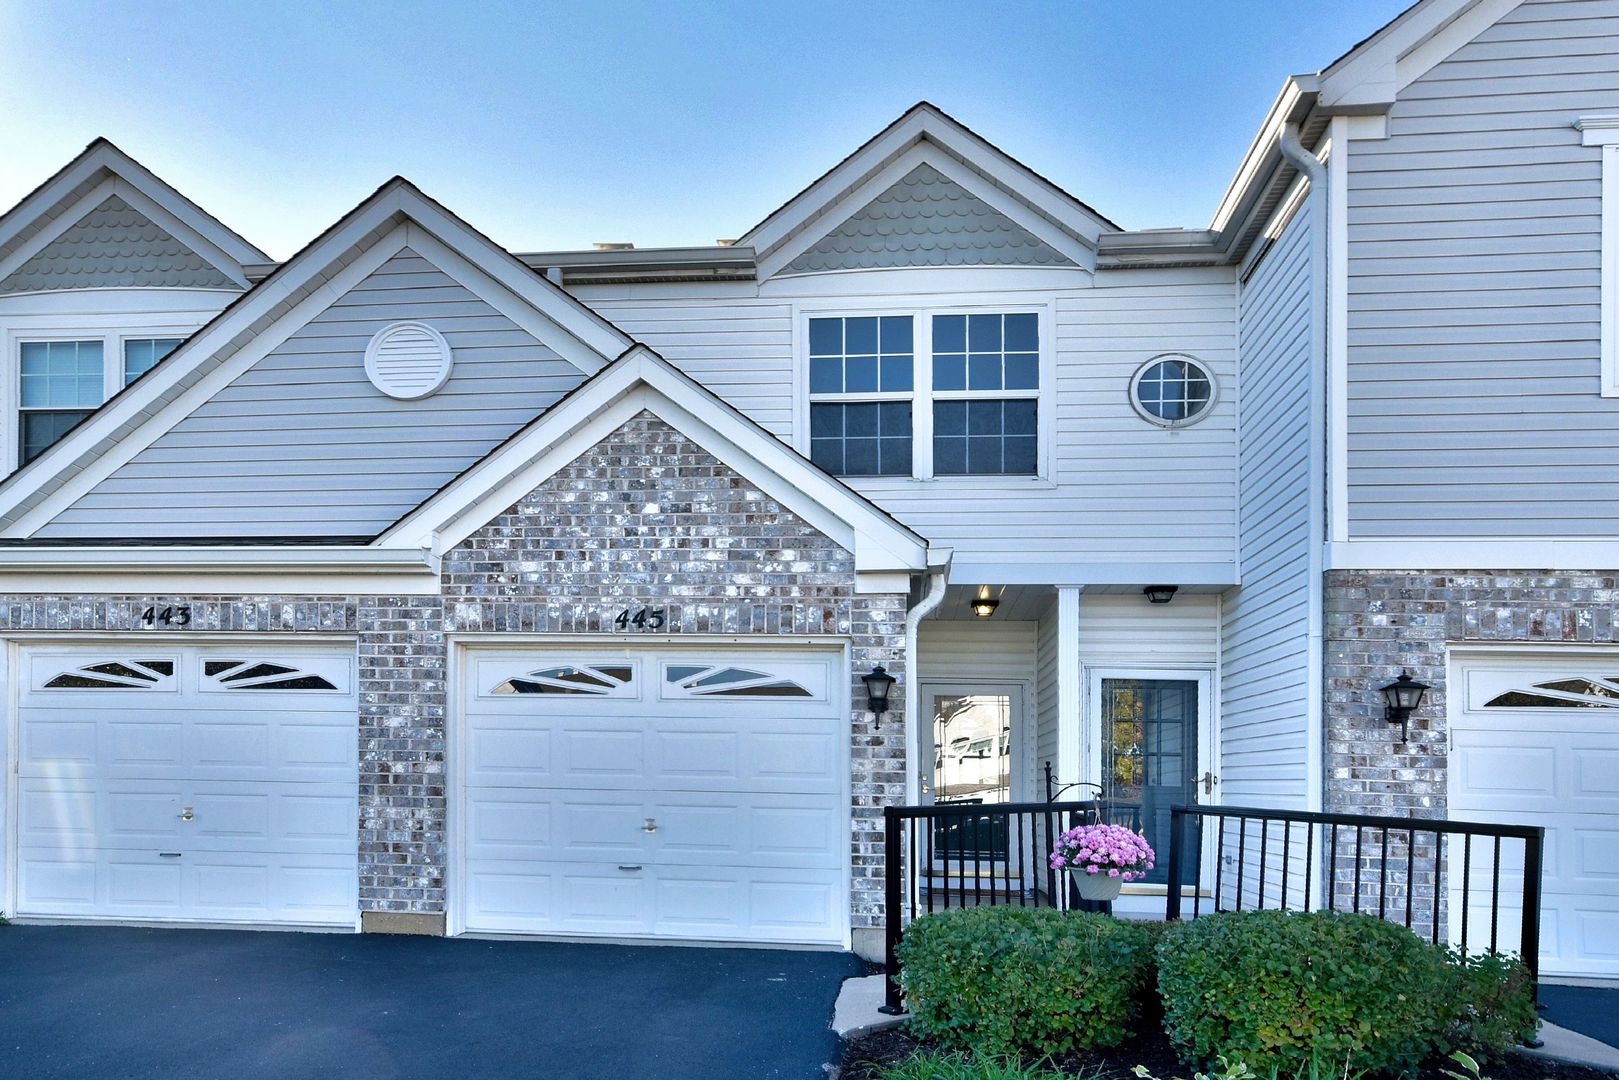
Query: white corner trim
{"type": "Point", "coordinates": [1072, 748]}
{"type": "Point", "coordinates": [1375, 126]}
{"type": "Point", "coordinates": [1338, 167]}
{"type": "Point", "coordinates": [1609, 337]}
{"type": "Point", "coordinates": [1480, 554]}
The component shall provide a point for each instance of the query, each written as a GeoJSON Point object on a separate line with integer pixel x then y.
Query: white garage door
{"type": "Point", "coordinates": [209, 784]}
{"type": "Point", "coordinates": [1536, 742]}
{"type": "Point", "coordinates": [659, 793]}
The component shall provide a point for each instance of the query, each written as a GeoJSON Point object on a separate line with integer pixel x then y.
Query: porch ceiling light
{"type": "Point", "coordinates": [984, 604]}
{"type": "Point", "coordinates": [878, 684]}
{"type": "Point", "coordinates": [1400, 699]}
{"type": "Point", "coordinates": [1160, 594]}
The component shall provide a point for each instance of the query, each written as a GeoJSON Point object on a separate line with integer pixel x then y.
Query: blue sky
{"type": "Point", "coordinates": [554, 125]}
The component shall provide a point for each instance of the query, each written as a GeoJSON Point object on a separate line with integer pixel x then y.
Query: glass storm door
{"type": "Point", "coordinates": [1153, 745]}
{"type": "Point", "coordinates": [967, 759]}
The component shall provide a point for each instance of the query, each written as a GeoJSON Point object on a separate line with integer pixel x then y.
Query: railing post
{"type": "Point", "coordinates": [1172, 895]}
{"type": "Point", "coordinates": [1533, 848]}
{"type": "Point", "coordinates": [892, 913]}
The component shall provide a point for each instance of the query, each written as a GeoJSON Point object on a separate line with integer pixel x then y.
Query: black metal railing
{"type": "Point", "coordinates": [1407, 870]}
{"type": "Point", "coordinates": [970, 854]}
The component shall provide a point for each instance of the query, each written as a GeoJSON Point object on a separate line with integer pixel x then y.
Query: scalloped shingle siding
{"type": "Point", "coordinates": [927, 219]}
{"type": "Point", "coordinates": [114, 245]}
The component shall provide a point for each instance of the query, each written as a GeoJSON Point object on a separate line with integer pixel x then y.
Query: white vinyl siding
{"type": "Point", "coordinates": [1474, 309]}
{"type": "Point", "coordinates": [302, 444]}
{"type": "Point", "coordinates": [1124, 630]}
{"type": "Point", "coordinates": [1264, 685]}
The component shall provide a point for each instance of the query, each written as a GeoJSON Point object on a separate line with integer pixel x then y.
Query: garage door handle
{"type": "Point", "coordinates": [168, 854]}
{"type": "Point", "coordinates": [623, 867]}
{"type": "Point", "coordinates": [187, 815]}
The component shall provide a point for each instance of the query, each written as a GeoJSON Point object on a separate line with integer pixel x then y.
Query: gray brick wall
{"type": "Point", "coordinates": [1379, 623]}
{"type": "Point", "coordinates": [646, 516]}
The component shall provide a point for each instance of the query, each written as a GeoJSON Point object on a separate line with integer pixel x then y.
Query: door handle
{"type": "Point", "coordinates": [651, 825]}
{"type": "Point", "coordinates": [187, 815]}
{"type": "Point", "coordinates": [922, 782]}
{"type": "Point", "coordinates": [1209, 780]}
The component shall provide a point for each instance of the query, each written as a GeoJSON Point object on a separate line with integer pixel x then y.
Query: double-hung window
{"type": "Point", "coordinates": [986, 394]}
{"type": "Point", "coordinates": [934, 393]}
{"type": "Point", "coordinates": [861, 378]}
{"type": "Point", "coordinates": [60, 382]}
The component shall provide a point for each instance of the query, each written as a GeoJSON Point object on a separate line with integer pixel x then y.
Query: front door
{"type": "Point", "coordinates": [1152, 749]}
{"type": "Point", "coordinates": [968, 758]}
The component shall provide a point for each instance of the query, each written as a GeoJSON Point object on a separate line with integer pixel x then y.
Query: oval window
{"type": "Point", "coordinates": [1172, 391]}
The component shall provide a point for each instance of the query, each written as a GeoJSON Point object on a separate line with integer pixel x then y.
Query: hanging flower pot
{"type": "Point", "coordinates": [1102, 858]}
{"type": "Point", "coordinates": [1096, 886]}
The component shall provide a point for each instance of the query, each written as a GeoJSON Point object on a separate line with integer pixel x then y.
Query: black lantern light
{"type": "Point", "coordinates": [1159, 594]}
{"type": "Point", "coordinates": [1400, 699]}
{"type": "Point", "coordinates": [878, 684]}
{"type": "Point", "coordinates": [984, 604]}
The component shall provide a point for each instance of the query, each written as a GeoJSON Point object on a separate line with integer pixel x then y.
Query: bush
{"type": "Point", "coordinates": [1024, 982]}
{"type": "Point", "coordinates": [1277, 989]}
{"type": "Point", "coordinates": [931, 1065]}
{"type": "Point", "coordinates": [1493, 1004]}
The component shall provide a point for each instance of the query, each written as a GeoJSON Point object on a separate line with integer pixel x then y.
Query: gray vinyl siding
{"type": "Point", "coordinates": [926, 219]}
{"type": "Point", "coordinates": [1265, 622]}
{"type": "Point", "coordinates": [1119, 490]}
{"type": "Point", "coordinates": [302, 445]}
{"type": "Point", "coordinates": [1474, 238]}
{"type": "Point", "coordinates": [115, 246]}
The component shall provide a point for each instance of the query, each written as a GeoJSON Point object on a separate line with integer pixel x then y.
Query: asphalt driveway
{"type": "Point", "coordinates": [113, 1002]}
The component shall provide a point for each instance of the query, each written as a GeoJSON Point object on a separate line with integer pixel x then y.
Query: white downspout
{"type": "Point", "coordinates": [913, 689]}
{"type": "Point", "coordinates": [1295, 152]}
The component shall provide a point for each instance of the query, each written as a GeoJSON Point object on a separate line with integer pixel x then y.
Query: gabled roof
{"type": "Point", "coordinates": [397, 214]}
{"type": "Point", "coordinates": [638, 381]}
{"type": "Point", "coordinates": [927, 134]}
{"type": "Point", "coordinates": [103, 171]}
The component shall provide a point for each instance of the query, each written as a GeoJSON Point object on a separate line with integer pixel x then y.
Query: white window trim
{"type": "Point", "coordinates": [922, 395]}
{"type": "Point", "coordinates": [1603, 131]}
{"type": "Point", "coordinates": [112, 367]}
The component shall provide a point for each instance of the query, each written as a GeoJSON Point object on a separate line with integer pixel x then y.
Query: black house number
{"type": "Point", "coordinates": [167, 616]}
{"type": "Point", "coordinates": [647, 618]}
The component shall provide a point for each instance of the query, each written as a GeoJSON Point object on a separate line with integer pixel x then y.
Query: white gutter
{"type": "Point", "coordinates": [938, 571]}
{"type": "Point", "coordinates": [1298, 155]}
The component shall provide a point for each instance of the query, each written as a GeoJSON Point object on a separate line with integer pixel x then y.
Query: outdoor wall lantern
{"type": "Point", "coordinates": [1160, 594]}
{"type": "Point", "coordinates": [1400, 699]}
{"type": "Point", "coordinates": [878, 684]}
{"type": "Point", "coordinates": [984, 604]}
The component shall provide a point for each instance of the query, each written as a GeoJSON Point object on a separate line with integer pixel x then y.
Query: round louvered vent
{"type": "Point", "coordinates": [408, 360]}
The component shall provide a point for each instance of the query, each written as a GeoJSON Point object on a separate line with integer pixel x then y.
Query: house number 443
{"type": "Point", "coordinates": [647, 618]}
{"type": "Point", "coordinates": [167, 616]}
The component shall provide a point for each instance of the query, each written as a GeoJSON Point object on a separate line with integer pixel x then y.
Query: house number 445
{"type": "Point", "coordinates": [647, 618]}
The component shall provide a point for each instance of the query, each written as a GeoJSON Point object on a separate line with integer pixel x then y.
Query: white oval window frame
{"type": "Point", "coordinates": [1158, 421]}
{"type": "Point", "coordinates": [445, 353]}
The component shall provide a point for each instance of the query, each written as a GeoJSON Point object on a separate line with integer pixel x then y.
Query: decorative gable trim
{"type": "Point", "coordinates": [640, 381]}
{"type": "Point", "coordinates": [87, 181]}
{"type": "Point", "coordinates": [396, 216]}
{"type": "Point", "coordinates": [926, 134]}
{"type": "Point", "coordinates": [1369, 78]}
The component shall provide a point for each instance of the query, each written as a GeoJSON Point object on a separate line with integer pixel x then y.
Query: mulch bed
{"type": "Point", "coordinates": [864, 1058]}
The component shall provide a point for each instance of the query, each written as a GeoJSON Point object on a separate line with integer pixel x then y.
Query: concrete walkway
{"type": "Point", "coordinates": [181, 1004]}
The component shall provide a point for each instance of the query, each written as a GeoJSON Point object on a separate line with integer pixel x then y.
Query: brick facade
{"type": "Point", "coordinates": [1380, 623]}
{"type": "Point", "coordinates": [645, 516]}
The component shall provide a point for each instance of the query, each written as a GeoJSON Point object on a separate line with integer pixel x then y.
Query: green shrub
{"type": "Point", "coordinates": [1024, 982]}
{"type": "Point", "coordinates": [1278, 990]}
{"type": "Point", "coordinates": [933, 1065]}
{"type": "Point", "coordinates": [1493, 1003]}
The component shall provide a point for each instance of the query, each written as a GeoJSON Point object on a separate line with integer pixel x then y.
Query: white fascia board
{"type": "Point", "coordinates": [196, 220]}
{"type": "Point", "coordinates": [164, 216]}
{"type": "Point", "coordinates": [858, 198]}
{"type": "Point", "coordinates": [70, 216]}
{"type": "Point", "coordinates": [920, 123]}
{"type": "Point", "coordinates": [640, 382]}
{"type": "Point", "coordinates": [1484, 554]}
{"type": "Point", "coordinates": [1261, 152]}
{"type": "Point", "coordinates": [1370, 78]}
{"type": "Point", "coordinates": [164, 403]}
{"type": "Point", "coordinates": [222, 569]}
{"type": "Point", "coordinates": [500, 265]}
{"type": "Point", "coordinates": [1209, 574]}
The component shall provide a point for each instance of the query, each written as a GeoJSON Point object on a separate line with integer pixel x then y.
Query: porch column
{"type": "Point", "coordinates": [1070, 692]}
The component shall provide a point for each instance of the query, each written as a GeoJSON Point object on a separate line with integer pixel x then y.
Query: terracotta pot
{"type": "Point", "coordinates": [1097, 886]}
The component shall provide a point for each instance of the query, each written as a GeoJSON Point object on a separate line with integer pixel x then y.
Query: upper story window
{"type": "Point", "coordinates": [925, 394]}
{"type": "Point", "coordinates": [986, 390]}
{"type": "Point", "coordinates": [861, 374]}
{"type": "Point", "coordinates": [60, 382]}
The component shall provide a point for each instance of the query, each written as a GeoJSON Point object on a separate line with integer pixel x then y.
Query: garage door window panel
{"type": "Point", "coordinates": [261, 675]}
{"type": "Point", "coordinates": [115, 675]}
{"type": "Point", "coordinates": [1594, 692]}
{"type": "Point", "coordinates": [692, 680]}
